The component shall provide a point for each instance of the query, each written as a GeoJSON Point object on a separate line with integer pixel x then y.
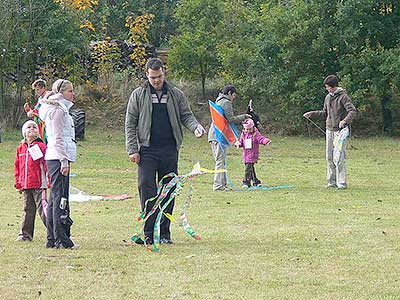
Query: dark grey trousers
{"type": "Point", "coordinates": [154, 164]}
{"type": "Point", "coordinates": [57, 233]}
{"type": "Point", "coordinates": [250, 175]}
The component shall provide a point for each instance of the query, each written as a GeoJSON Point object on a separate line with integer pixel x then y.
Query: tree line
{"type": "Point", "coordinates": [276, 52]}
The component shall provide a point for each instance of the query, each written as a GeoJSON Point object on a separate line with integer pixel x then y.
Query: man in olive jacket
{"type": "Point", "coordinates": [339, 112]}
{"type": "Point", "coordinates": [153, 128]}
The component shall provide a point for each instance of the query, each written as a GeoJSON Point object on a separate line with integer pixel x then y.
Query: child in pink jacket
{"type": "Point", "coordinates": [249, 140]}
{"type": "Point", "coordinates": [31, 178]}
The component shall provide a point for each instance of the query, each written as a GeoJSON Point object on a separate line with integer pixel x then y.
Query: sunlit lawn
{"type": "Point", "coordinates": [302, 243]}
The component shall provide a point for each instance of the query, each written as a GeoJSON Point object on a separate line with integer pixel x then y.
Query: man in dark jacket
{"type": "Point", "coordinates": [153, 127]}
{"type": "Point", "coordinates": [339, 112]}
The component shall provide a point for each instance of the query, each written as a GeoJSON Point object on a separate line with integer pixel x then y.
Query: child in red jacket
{"type": "Point", "coordinates": [31, 178]}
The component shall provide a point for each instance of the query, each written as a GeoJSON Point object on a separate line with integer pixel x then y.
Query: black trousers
{"type": "Point", "coordinates": [250, 175]}
{"type": "Point", "coordinates": [58, 234]}
{"type": "Point", "coordinates": [155, 162]}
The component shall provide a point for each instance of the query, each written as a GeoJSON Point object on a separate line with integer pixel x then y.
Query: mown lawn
{"type": "Point", "coordinates": [302, 243]}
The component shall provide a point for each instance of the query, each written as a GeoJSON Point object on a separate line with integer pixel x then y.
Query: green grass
{"type": "Point", "coordinates": [301, 243]}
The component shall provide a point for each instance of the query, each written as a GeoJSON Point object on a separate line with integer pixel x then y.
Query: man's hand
{"type": "Point", "coordinates": [199, 131]}
{"type": "Point", "coordinates": [342, 124]}
{"type": "Point", "coordinates": [135, 157]}
{"type": "Point", "coordinates": [248, 116]}
{"type": "Point", "coordinates": [307, 115]}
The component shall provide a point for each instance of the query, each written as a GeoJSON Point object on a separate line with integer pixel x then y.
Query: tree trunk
{"type": "Point", "coordinates": [387, 116]}
{"type": "Point", "coordinates": [203, 86]}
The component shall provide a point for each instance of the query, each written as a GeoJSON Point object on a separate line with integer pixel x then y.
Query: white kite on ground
{"type": "Point", "coordinates": [76, 195]}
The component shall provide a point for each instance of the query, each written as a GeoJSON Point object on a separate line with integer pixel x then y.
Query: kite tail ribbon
{"type": "Point", "coordinates": [166, 192]}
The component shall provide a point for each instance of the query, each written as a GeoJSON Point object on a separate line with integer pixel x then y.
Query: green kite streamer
{"type": "Point", "coordinates": [163, 199]}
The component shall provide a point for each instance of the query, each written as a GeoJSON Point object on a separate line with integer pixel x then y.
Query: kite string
{"type": "Point", "coordinates": [247, 189]}
{"type": "Point", "coordinates": [316, 125]}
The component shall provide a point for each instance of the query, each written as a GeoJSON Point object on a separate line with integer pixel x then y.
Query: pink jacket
{"type": "Point", "coordinates": [251, 155]}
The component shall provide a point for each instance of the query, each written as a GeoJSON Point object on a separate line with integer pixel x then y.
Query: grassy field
{"type": "Point", "coordinates": [302, 243]}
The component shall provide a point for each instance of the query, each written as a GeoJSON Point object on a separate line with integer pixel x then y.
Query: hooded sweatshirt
{"type": "Point", "coordinates": [60, 129]}
{"type": "Point", "coordinates": [337, 107]}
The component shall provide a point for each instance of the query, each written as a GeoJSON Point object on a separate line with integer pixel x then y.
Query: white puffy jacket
{"type": "Point", "coordinates": [60, 129]}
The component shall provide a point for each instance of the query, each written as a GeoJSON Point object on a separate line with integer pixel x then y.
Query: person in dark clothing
{"type": "Point", "coordinates": [155, 114]}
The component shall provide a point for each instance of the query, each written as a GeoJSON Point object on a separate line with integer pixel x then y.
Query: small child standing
{"type": "Point", "coordinates": [31, 178]}
{"type": "Point", "coordinates": [39, 86]}
{"type": "Point", "coordinates": [249, 140]}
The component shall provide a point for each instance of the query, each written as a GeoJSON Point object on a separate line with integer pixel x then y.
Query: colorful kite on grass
{"type": "Point", "coordinates": [165, 194]}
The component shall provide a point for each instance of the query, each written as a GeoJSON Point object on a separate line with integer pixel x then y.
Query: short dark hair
{"type": "Point", "coordinates": [228, 89]}
{"type": "Point", "coordinates": [154, 64]}
{"type": "Point", "coordinates": [331, 81]}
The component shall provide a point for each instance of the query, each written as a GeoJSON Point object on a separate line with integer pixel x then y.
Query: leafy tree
{"type": "Point", "coordinates": [138, 34]}
{"type": "Point", "coordinates": [295, 44]}
{"type": "Point", "coordinates": [109, 17]}
{"type": "Point", "coordinates": [36, 38]}
{"type": "Point", "coordinates": [194, 50]}
{"type": "Point", "coordinates": [370, 43]}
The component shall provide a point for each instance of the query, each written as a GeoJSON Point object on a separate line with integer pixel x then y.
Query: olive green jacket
{"type": "Point", "coordinates": [139, 112]}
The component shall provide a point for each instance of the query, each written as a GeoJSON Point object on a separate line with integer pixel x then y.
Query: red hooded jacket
{"type": "Point", "coordinates": [29, 173]}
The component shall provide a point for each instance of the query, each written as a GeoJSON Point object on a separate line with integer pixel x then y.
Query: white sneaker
{"type": "Point", "coordinates": [75, 247]}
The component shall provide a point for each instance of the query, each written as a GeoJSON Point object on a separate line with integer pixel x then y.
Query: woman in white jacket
{"type": "Point", "coordinates": [61, 151]}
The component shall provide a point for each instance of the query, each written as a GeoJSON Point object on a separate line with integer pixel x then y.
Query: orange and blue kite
{"type": "Point", "coordinates": [225, 132]}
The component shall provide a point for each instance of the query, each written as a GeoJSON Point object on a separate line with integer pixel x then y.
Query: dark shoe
{"type": "Point", "coordinates": [166, 241]}
{"type": "Point", "coordinates": [73, 247]}
{"type": "Point", "coordinates": [147, 241]}
{"type": "Point", "coordinates": [137, 240]}
{"type": "Point", "coordinates": [49, 245]}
